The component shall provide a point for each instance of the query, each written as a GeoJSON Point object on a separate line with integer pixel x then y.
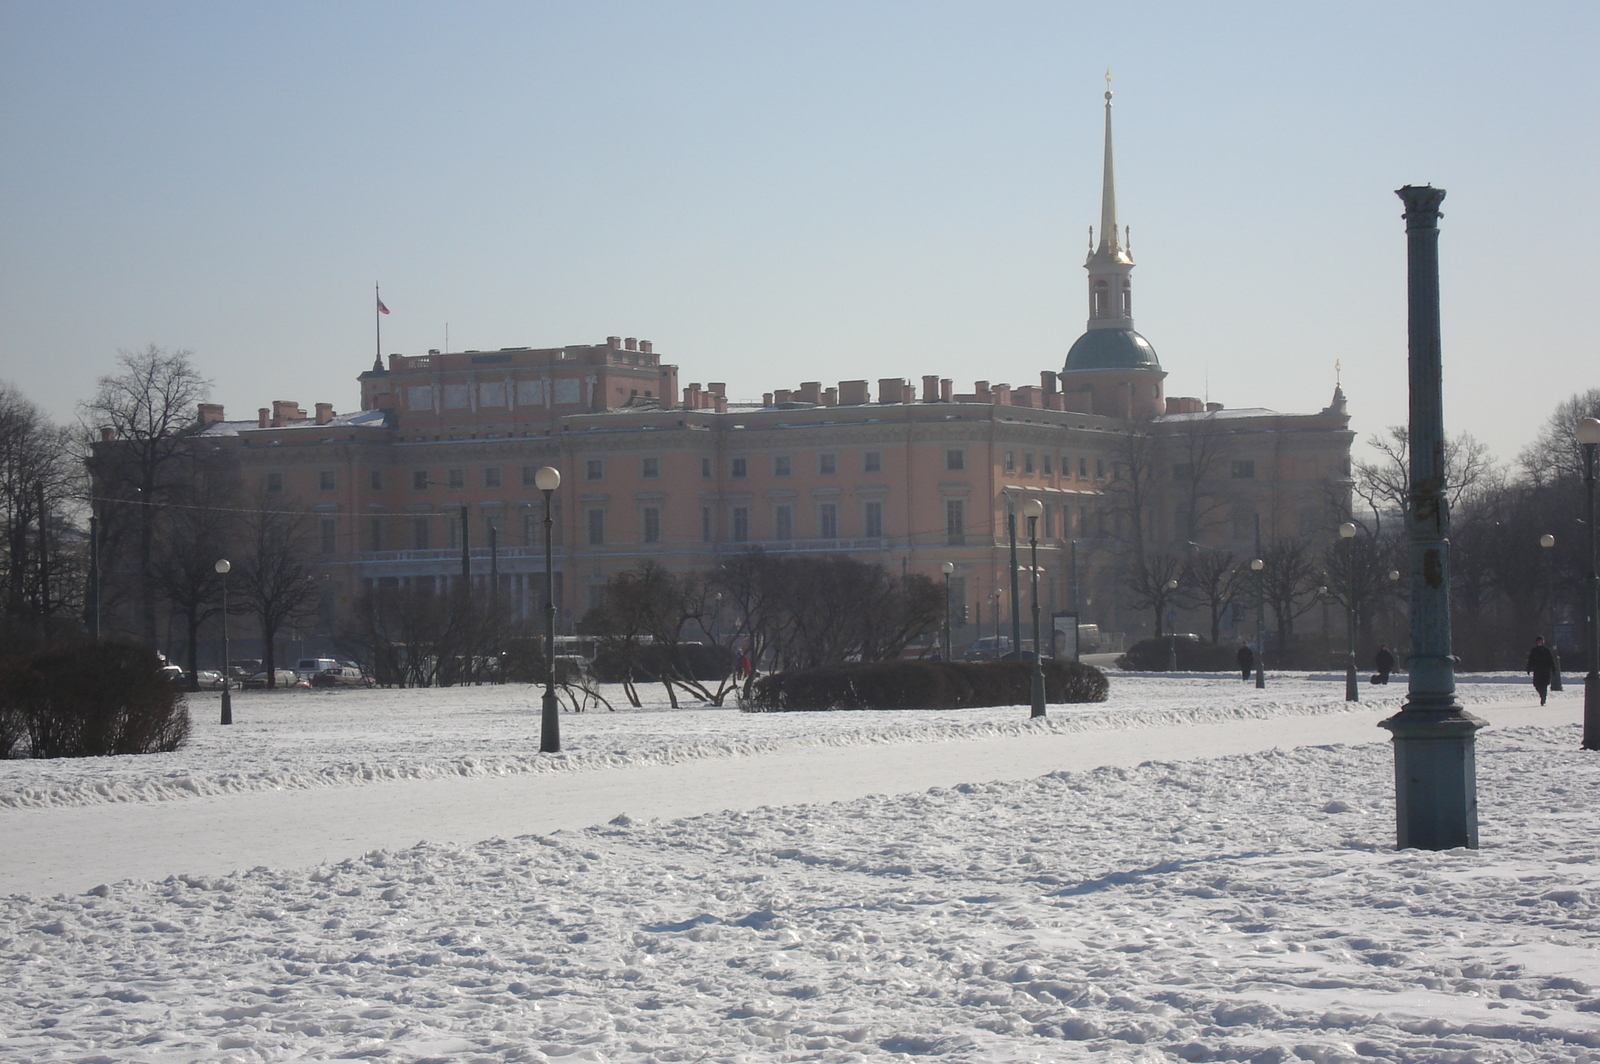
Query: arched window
{"type": "Point", "coordinates": [1101, 301]}
{"type": "Point", "coordinates": [1127, 300]}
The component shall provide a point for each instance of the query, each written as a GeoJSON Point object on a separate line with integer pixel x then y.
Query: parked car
{"type": "Point", "coordinates": [341, 676]}
{"type": "Point", "coordinates": [283, 678]}
{"type": "Point", "coordinates": [174, 675]}
{"type": "Point", "coordinates": [209, 679]}
{"type": "Point", "coordinates": [306, 668]}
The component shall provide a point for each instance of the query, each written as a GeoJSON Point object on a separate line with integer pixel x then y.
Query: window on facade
{"type": "Point", "coordinates": [1099, 469]}
{"type": "Point", "coordinates": [274, 483]}
{"type": "Point", "coordinates": [827, 464]}
{"type": "Point", "coordinates": [649, 468]}
{"type": "Point", "coordinates": [652, 524]}
{"type": "Point", "coordinates": [597, 528]}
{"type": "Point", "coordinates": [955, 522]}
{"type": "Point", "coordinates": [419, 533]}
{"type": "Point", "coordinates": [594, 469]}
{"type": "Point", "coordinates": [329, 528]}
{"type": "Point", "coordinates": [705, 524]}
{"type": "Point", "coordinates": [1083, 469]}
{"type": "Point", "coordinates": [872, 462]}
{"type": "Point", "coordinates": [491, 477]}
{"type": "Point", "coordinates": [872, 520]}
{"type": "Point", "coordinates": [782, 465]}
{"type": "Point", "coordinates": [1027, 463]}
{"type": "Point", "coordinates": [452, 524]}
{"type": "Point", "coordinates": [377, 479]}
{"type": "Point", "coordinates": [783, 522]}
{"type": "Point", "coordinates": [1049, 522]}
{"type": "Point", "coordinates": [828, 520]}
{"type": "Point", "coordinates": [1046, 460]}
{"type": "Point", "coordinates": [741, 524]}
{"type": "Point", "coordinates": [326, 481]}
{"type": "Point", "coordinates": [955, 460]}
{"type": "Point", "coordinates": [1011, 461]}
{"type": "Point", "coordinates": [375, 533]}
{"type": "Point", "coordinates": [1244, 470]}
{"type": "Point", "coordinates": [705, 468]}
{"type": "Point", "coordinates": [528, 473]}
{"type": "Point", "coordinates": [957, 600]}
{"type": "Point", "coordinates": [739, 468]}
{"type": "Point", "coordinates": [419, 480]}
{"type": "Point", "coordinates": [532, 534]}
{"type": "Point", "coordinates": [457, 479]}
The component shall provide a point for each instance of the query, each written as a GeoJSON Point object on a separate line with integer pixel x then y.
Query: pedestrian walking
{"type": "Point", "coordinates": [1541, 663]}
{"type": "Point", "coordinates": [1247, 660]}
{"type": "Point", "coordinates": [1385, 663]}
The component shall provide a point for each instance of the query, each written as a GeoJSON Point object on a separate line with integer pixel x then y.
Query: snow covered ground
{"type": "Point", "coordinates": [1245, 907]}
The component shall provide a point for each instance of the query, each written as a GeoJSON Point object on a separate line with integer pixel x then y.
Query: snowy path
{"type": "Point", "coordinates": [75, 848]}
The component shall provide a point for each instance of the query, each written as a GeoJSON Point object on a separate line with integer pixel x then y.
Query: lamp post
{"type": "Point", "coordinates": [1033, 509]}
{"type": "Point", "coordinates": [1548, 541]}
{"type": "Point", "coordinates": [1172, 639]}
{"type": "Point", "coordinates": [1352, 690]}
{"type": "Point", "coordinates": [222, 567]}
{"type": "Point", "coordinates": [1435, 739]}
{"type": "Point", "coordinates": [1256, 566]}
{"type": "Point", "coordinates": [995, 595]}
{"type": "Point", "coordinates": [1589, 437]}
{"type": "Point", "coordinates": [547, 480]}
{"type": "Point", "coordinates": [946, 568]}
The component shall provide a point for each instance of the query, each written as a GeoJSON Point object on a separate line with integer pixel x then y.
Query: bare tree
{"type": "Point", "coordinates": [38, 577]}
{"type": "Point", "coordinates": [1198, 453]}
{"type": "Point", "coordinates": [149, 411]}
{"type": "Point", "coordinates": [194, 530]}
{"type": "Point", "coordinates": [1152, 581]}
{"type": "Point", "coordinates": [1289, 584]}
{"type": "Point", "coordinates": [1556, 454]}
{"type": "Point", "coordinates": [1134, 488]}
{"type": "Point", "coordinates": [277, 577]}
{"type": "Point", "coordinates": [1385, 483]}
{"type": "Point", "coordinates": [1212, 580]}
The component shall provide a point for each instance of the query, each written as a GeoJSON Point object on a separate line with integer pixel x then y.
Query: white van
{"type": "Point", "coordinates": [306, 668]}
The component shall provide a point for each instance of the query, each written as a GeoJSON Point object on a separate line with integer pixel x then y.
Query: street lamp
{"type": "Point", "coordinates": [1547, 541]}
{"type": "Point", "coordinates": [1256, 566]}
{"type": "Point", "coordinates": [1033, 509]}
{"type": "Point", "coordinates": [995, 595]}
{"type": "Point", "coordinates": [1347, 532]}
{"type": "Point", "coordinates": [222, 567]}
{"type": "Point", "coordinates": [1589, 437]}
{"type": "Point", "coordinates": [1016, 599]}
{"type": "Point", "coordinates": [547, 480]}
{"type": "Point", "coordinates": [1172, 639]}
{"type": "Point", "coordinates": [947, 568]}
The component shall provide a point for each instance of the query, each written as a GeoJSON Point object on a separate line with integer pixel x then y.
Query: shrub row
{"type": "Point", "coordinates": [924, 685]}
{"type": "Point", "coordinates": [89, 700]}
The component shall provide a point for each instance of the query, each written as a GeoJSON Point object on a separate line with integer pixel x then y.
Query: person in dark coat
{"type": "Point", "coordinates": [1541, 663]}
{"type": "Point", "coordinates": [1385, 663]}
{"type": "Point", "coordinates": [1247, 660]}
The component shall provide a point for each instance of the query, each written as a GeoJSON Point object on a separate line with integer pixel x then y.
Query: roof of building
{"type": "Point", "coordinates": [1111, 349]}
{"type": "Point", "coordinates": [355, 417]}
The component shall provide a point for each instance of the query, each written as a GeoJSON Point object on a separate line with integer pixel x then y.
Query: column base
{"type": "Point", "coordinates": [1435, 778]}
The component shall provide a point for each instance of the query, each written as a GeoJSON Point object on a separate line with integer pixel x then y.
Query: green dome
{"type": "Point", "coordinates": [1111, 349]}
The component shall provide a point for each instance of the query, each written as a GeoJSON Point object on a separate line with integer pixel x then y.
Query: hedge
{"type": "Point", "coordinates": [89, 700]}
{"type": "Point", "coordinates": [1194, 655]}
{"type": "Point", "coordinates": [924, 685]}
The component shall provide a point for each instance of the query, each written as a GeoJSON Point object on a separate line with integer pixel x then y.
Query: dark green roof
{"type": "Point", "coordinates": [1112, 349]}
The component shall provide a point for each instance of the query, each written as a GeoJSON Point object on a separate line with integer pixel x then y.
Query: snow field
{"type": "Point", "coordinates": [339, 738]}
{"type": "Point", "coordinates": [1242, 908]}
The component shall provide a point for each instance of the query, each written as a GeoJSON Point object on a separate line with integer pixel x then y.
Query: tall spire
{"type": "Point", "coordinates": [1108, 191]}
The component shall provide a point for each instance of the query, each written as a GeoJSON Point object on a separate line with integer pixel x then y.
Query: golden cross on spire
{"type": "Point", "coordinates": [1108, 83]}
{"type": "Point", "coordinates": [1338, 368]}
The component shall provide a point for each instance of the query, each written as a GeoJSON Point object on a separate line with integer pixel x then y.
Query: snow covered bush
{"type": "Point", "coordinates": [93, 699]}
{"type": "Point", "coordinates": [924, 685]}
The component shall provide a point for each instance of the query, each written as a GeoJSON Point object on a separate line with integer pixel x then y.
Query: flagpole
{"type": "Point", "coordinates": [377, 327]}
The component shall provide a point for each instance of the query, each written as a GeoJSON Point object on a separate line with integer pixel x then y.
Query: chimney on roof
{"type": "Point", "coordinates": [947, 389]}
{"type": "Point", "coordinates": [107, 434]}
{"type": "Point", "coordinates": [1047, 381]}
{"type": "Point", "coordinates": [433, 350]}
{"type": "Point", "coordinates": [647, 347]}
{"type": "Point", "coordinates": [324, 413]}
{"type": "Point", "coordinates": [890, 389]}
{"type": "Point", "coordinates": [717, 388]}
{"type": "Point", "coordinates": [722, 404]}
{"type": "Point", "coordinates": [1001, 394]}
{"type": "Point", "coordinates": [262, 416]}
{"type": "Point", "coordinates": [830, 397]}
{"type": "Point", "coordinates": [930, 388]}
{"type": "Point", "coordinates": [1212, 408]}
{"type": "Point", "coordinates": [980, 389]}
{"type": "Point", "coordinates": [811, 392]}
{"type": "Point", "coordinates": [766, 398]}
{"type": "Point", "coordinates": [853, 393]}
{"type": "Point", "coordinates": [210, 414]}
{"type": "Point", "coordinates": [614, 342]}
{"type": "Point", "coordinates": [631, 343]}
{"type": "Point", "coordinates": [782, 395]}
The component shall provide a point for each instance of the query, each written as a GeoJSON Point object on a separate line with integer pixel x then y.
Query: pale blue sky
{"type": "Point", "coordinates": [783, 191]}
